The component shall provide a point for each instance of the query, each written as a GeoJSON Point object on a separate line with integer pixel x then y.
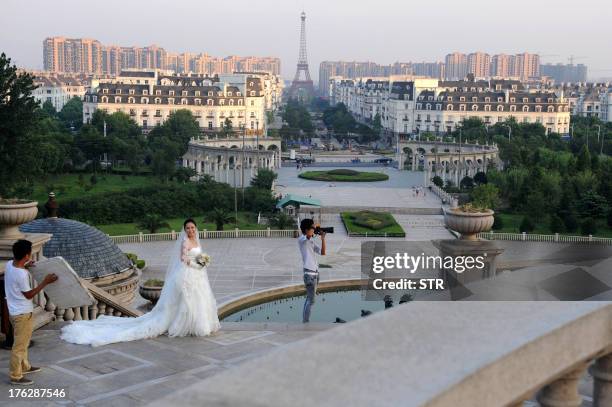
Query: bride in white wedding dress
{"type": "Point", "coordinates": [186, 306]}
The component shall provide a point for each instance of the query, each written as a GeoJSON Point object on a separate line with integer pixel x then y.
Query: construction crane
{"type": "Point", "coordinates": [571, 59]}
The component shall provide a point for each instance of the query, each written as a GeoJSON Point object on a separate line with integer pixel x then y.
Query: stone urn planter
{"type": "Point", "coordinates": [151, 290]}
{"type": "Point", "coordinates": [469, 223]}
{"type": "Point", "coordinates": [15, 212]}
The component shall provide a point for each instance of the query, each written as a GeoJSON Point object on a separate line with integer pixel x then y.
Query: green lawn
{"type": "Point", "coordinates": [344, 175]}
{"type": "Point", "coordinates": [372, 223]}
{"type": "Point", "coordinates": [246, 221]}
{"type": "Point", "coordinates": [512, 222]}
{"type": "Point", "coordinates": [67, 186]}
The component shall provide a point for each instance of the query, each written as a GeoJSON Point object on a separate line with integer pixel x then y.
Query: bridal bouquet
{"type": "Point", "coordinates": [203, 260]}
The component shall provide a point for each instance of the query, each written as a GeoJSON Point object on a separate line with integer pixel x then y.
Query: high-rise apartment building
{"type": "Point", "coordinates": [502, 65]}
{"type": "Point", "coordinates": [479, 64]}
{"type": "Point", "coordinates": [563, 73]}
{"type": "Point", "coordinates": [456, 66]}
{"type": "Point", "coordinates": [81, 55]}
{"type": "Point", "coordinates": [526, 66]}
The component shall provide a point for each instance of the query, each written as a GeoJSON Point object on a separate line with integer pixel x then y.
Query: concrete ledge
{"type": "Point", "coordinates": [260, 297]}
{"type": "Point", "coordinates": [420, 354]}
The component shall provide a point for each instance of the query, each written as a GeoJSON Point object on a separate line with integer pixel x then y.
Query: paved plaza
{"type": "Point", "coordinates": [396, 192]}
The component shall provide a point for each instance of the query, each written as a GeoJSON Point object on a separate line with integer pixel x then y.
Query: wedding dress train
{"type": "Point", "coordinates": [186, 306]}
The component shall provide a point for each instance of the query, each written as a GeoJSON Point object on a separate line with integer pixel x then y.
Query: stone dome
{"type": "Point", "coordinates": [90, 252]}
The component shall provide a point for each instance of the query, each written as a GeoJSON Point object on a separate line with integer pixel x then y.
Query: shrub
{"type": "Point", "coordinates": [372, 220]}
{"type": "Point", "coordinates": [153, 282]}
{"type": "Point", "coordinates": [570, 221]}
{"type": "Point", "coordinates": [133, 258]}
{"type": "Point", "coordinates": [556, 224]}
{"type": "Point", "coordinates": [498, 222]}
{"type": "Point", "coordinates": [588, 227]}
{"type": "Point", "coordinates": [610, 218]}
{"type": "Point", "coordinates": [93, 180]}
{"type": "Point", "coordinates": [140, 264]}
{"type": "Point", "coordinates": [437, 181]}
{"type": "Point", "coordinates": [527, 225]}
{"type": "Point", "coordinates": [343, 171]}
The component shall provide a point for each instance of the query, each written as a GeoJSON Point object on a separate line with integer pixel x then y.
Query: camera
{"type": "Point", "coordinates": [320, 229]}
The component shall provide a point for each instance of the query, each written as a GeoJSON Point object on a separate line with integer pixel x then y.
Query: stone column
{"type": "Point", "coordinates": [563, 392]}
{"type": "Point", "coordinates": [198, 167]}
{"type": "Point", "coordinates": [602, 374]}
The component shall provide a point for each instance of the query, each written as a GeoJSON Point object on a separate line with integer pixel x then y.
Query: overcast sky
{"type": "Point", "coordinates": [382, 31]}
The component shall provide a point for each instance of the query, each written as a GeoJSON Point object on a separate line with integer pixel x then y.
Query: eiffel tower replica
{"type": "Point", "coordinates": [302, 88]}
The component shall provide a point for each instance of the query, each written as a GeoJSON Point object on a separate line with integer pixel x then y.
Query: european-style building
{"type": "Point", "coordinates": [150, 96]}
{"type": "Point", "coordinates": [411, 104]}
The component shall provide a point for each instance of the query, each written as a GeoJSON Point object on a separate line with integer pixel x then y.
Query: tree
{"type": "Point", "coordinates": [183, 174]}
{"type": "Point", "coordinates": [556, 224]}
{"type": "Point", "coordinates": [264, 178]}
{"type": "Point", "coordinates": [281, 220]}
{"type": "Point", "coordinates": [72, 113]}
{"type": "Point", "coordinates": [183, 127]}
{"type": "Point", "coordinates": [49, 109]}
{"type": "Point", "coordinates": [438, 181]}
{"type": "Point", "coordinates": [570, 221]}
{"type": "Point", "coordinates": [152, 222]}
{"type": "Point", "coordinates": [17, 116]}
{"type": "Point", "coordinates": [527, 225]}
{"type": "Point", "coordinates": [584, 159]}
{"type": "Point", "coordinates": [220, 217]}
{"type": "Point", "coordinates": [588, 226]}
{"type": "Point", "coordinates": [480, 178]}
{"type": "Point", "coordinates": [466, 183]}
{"type": "Point", "coordinates": [92, 144]}
{"type": "Point", "coordinates": [498, 222]}
{"type": "Point", "coordinates": [227, 127]}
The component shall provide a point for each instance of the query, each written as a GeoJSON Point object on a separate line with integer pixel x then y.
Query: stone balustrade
{"type": "Point", "coordinates": [104, 304]}
{"type": "Point", "coordinates": [432, 354]}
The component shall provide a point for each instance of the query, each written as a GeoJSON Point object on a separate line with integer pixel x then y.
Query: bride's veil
{"type": "Point", "coordinates": [176, 253]}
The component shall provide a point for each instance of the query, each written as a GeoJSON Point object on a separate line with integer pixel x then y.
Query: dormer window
{"type": "Point", "coordinates": [500, 99]}
{"type": "Point", "coordinates": [512, 100]}
{"type": "Point", "coordinates": [525, 100]}
{"type": "Point", "coordinates": [252, 93]}
{"type": "Point", "coordinates": [487, 99]}
{"type": "Point", "coordinates": [209, 102]}
{"type": "Point", "coordinates": [474, 108]}
{"type": "Point", "coordinates": [145, 92]}
{"type": "Point", "coordinates": [105, 90]}
{"type": "Point", "coordinates": [474, 99]}
{"type": "Point", "coordinates": [131, 100]}
{"type": "Point", "coordinates": [131, 91]}
{"type": "Point", "coordinates": [170, 101]}
{"type": "Point", "coordinates": [144, 101]}
{"type": "Point", "coordinates": [117, 99]}
{"type": "Point", "coordinates": [171, 93]}
{"type": "Point", "coordinates": [222, 102]}
{"type": "Point", "coordinates": [118, 91]}
{"type": "Point", "coordinates": [229, 93]}
{"type": "Point", "coordinates": [197, 93]}
{"type": "Point", "coordinates": [198, 102]}
{"type": "Point", "coordinates": [158, 92]}
{"type": "Point", "coordinates": [513, 108]}
{"type": "Point", "coordinates": [462, 99]}
{"type": "Point", "coordinates": [450, 98]}
{"type": "Point", "coordinates": [157, 101]}
{"type": "Point", "coordinates": [210, 93]}
{"type": "Point", "coordinates": [184, 93]}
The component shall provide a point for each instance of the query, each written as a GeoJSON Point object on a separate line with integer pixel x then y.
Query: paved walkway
{"type": "Point", "coordinates": [140, 372]}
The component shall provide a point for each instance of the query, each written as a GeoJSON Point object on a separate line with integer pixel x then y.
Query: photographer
{"type": "Point", "coordinates": [308, 248]}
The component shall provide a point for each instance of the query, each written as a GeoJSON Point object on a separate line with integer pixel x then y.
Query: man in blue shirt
{"type": "Point", "coordinates": [309, 248]}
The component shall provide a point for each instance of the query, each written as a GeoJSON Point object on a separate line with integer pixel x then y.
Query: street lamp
{"type": "Point", "coordinates": [242, 165]}
{"type": "Point", "coordinates": [257, 143]}
{"type": "Point", "coordinates": [509, 130]}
